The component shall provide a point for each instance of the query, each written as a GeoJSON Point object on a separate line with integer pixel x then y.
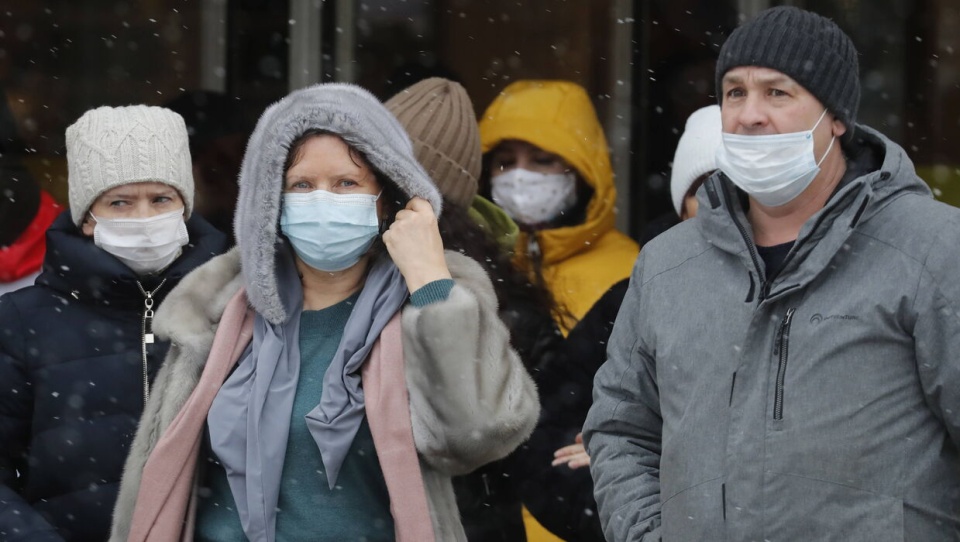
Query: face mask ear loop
{"type": "Point", "coordinates": [383, 221]}
{"type": "Point", "coordinates": [832, 139]}
{"type": "Point", "coordinates": [96, 232]}
{"type": "Point", "coordinates": [822, 158]}
{"type": "Point", "coordinates": [819, 120]}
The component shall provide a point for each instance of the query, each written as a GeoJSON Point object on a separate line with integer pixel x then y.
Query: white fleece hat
{"type": "Point", "coordinates": [113, 146]}
{"type": "Point", "coordinates": [696, 152]}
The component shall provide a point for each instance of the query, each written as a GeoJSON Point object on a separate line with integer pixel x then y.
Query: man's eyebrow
{"type": "Point", "coordinates": [777, 79]}
{"type": "Point", "coordinates": [732, 79]}
{"type": "Point", "coordinates": [773, 79]}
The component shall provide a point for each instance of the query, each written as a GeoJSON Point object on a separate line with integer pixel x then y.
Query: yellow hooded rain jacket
{"type": "Point", "coordinates": [580, 262]}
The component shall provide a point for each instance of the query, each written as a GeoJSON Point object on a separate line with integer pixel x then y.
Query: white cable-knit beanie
{"type": "Point", "coordinates": [113, 146]}
{"type": "Point", "coordinates": [696, 152]}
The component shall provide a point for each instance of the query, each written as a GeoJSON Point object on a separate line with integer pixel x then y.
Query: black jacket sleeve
{"type": "Point", "coordinates": [18, 520]}
{"type": "Point", "coordinates": [559, 497]}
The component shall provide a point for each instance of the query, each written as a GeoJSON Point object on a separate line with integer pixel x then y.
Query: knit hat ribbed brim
{"type": "Point", "coordinates": [809, 48]}
{"type": "Point", "coordinates": [113, 146]}
{"type": "Point", "coordinates": [438, 115]}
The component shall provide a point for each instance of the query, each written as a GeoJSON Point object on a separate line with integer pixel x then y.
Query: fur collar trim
{"type": "Point", "coordinates": [189, 315]}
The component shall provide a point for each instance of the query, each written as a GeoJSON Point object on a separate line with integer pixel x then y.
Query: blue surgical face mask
{"type": "Point", "coordinates": [772, 169]}
{"type": "Point", "coordinates": [330, 232]}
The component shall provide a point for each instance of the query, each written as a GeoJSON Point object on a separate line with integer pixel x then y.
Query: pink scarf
{"type": "Point", "coordinates": [164, 511]}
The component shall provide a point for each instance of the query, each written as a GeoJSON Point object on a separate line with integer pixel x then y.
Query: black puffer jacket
{"type": "Point", "coordinates": [72, 389]}
{"type": "Point", "coordinates": [559, 497]}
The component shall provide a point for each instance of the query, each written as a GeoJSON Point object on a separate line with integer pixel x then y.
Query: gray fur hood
{"type": "Point", "coordinates": [347, 110]}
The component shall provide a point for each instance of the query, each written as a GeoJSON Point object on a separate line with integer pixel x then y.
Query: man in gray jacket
{"type": "Point", "coordinates": [785, 365]}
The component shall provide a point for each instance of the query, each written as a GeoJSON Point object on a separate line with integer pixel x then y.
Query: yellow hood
{"type": "Point", "coordinates": [557, 116]}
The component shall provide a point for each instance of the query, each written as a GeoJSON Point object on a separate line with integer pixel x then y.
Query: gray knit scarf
{"type": "Point", "coordinates": [249, 420]}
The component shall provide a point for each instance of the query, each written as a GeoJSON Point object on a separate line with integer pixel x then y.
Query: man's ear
{"type": "Point", "coordinates": [838, 127]}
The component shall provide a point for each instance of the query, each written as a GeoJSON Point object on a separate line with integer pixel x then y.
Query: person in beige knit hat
{"type": "Point", "coordinates": [439, 117]}
{"type": "Point", "coordinates": [80, 362]}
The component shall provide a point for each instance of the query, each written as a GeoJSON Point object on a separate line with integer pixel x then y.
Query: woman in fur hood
{"type": "Point", "coordinates": [329, 375]}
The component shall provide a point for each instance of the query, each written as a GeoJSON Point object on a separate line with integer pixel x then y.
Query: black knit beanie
{"type": "Point", "coordinates": [811, 49]}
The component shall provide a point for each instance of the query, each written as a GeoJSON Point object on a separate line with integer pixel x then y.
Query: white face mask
{"type": "Point", "coordinates": [145, 245]}
{"type": "Point", "coordinates": [533, 198]}
{"type": "Point", "coordinates": [772, 169]}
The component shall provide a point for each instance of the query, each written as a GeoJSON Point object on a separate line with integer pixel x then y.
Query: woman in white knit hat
{"type": "Point", "coordinates": [77, 352]}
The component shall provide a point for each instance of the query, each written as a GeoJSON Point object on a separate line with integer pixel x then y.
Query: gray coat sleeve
{"type": "Point", "coordinates": [622, 432]}
{"type": "Point", "coordinates": [936, 333]}
{"type": "Point", "coordinates": [471, 399]}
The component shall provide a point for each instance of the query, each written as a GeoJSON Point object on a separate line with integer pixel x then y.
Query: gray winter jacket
{"type": "Point", "coordinates": [821, 405]}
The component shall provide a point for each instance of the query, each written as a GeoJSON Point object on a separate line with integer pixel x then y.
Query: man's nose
{"type": "Point", "coordinates": [752, 113]}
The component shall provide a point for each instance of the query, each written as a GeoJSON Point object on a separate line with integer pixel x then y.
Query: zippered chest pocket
{"type": "Point", "coordinates": [781, 352]}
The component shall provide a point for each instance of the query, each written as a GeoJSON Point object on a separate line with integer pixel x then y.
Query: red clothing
{"type": "Point", "coordinates": [25, 255]}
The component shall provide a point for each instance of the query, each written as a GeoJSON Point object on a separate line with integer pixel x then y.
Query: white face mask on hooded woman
{"type": "Point", "coordinates": [530, 197]}
{"type": "Point", "coordinates": [772, 169]}
{"type": "Point", "coordinates": [145, 245]}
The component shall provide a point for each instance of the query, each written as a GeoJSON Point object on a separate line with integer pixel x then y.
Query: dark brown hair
{"type": "Point", "coordinates": [525, 305]}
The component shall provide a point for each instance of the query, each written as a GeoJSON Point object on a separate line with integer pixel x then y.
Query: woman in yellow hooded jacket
{"type": "Point", "coordinates": [548, 166]}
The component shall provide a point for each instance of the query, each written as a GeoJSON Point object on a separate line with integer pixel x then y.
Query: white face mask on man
{"type": "Point", "coordinates": [530, 197]}
{"type": "Point", "coordinates": [145, 245]}
{"type": "Point", "coordinates": [772, 169]}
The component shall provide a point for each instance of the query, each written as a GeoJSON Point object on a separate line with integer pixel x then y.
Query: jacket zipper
{"type": "Point", "coordinates": [754, 256]}
{"type": "Point", "coordinates": [781, 350]}
{"type": "Point", "coordinates": [146, 333]}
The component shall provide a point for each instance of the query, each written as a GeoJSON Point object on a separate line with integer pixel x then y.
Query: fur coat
{"type": "Point", "coordinates": [471, 400]}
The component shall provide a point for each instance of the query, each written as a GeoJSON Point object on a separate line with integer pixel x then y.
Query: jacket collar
{"type": "Point", "coordinates": [722, 218]}
{"type": "Point", "coordinates": [75, 267]}
{"type": "Point", "coordinates": [191, 313]}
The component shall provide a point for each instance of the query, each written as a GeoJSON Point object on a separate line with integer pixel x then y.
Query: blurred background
{"type": "Point", "coordinates": [646, 63]}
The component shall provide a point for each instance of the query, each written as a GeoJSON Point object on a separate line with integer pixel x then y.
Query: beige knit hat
{"type": "Point", "coordinates": [113, 146]}
{"type": "Point", "coordinates": [438, 115]}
